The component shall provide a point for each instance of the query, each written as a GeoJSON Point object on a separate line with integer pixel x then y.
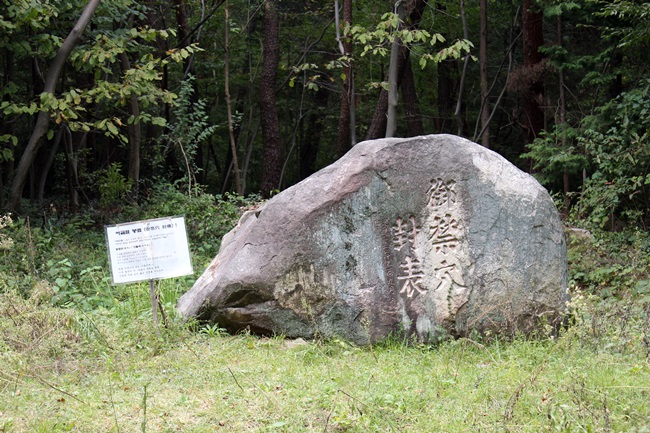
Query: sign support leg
{"type": "Point", "coordinates": [154, 304]}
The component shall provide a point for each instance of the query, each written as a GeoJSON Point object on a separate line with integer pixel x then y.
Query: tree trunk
{"type": "Point", "coordinates": [134, 130]}
{"type": "Point", "coordinates": [461, 87]}
{"type": "Point", "coordinates": [393, 71]}
{"type": "Point", "coordinates": [38, 83]}
{"type": "Point", "coordinates": [346, 130]}
{"type": "Point", "coordinates": [562, 121]}
{"type": "Point", "coordinates": [40, 195]}
{"type": "Point", "coordinates": [415, 9]}
{"type": "Point", "coordinates": [42, 122]}
{"type": "Point", "coordinates": [183, 33]}
{"type": "Point", "coordinates": [533, 39]}
{"type": "Point", "coordinates": [411, 103]}
{"type": "Point", "coordinates": [272, 154]}
{"type": "Point", "coordinates": [315, 123]}
{"type": "Point", "coordinates": [72, 160]}
{"type": "Point", "coordinates": [377, 129]}
{"type": "Point", "coordinates": [483, 63]}
{"type": "Point", "coordinates": [445, 96]}
{"type": "Point", "coordinates": [231, 130]}
{"type": "Point", "coordinates": [509, 59]}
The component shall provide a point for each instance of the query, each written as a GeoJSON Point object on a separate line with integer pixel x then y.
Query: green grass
{"type": "Point", "coordinates": [108, 371]}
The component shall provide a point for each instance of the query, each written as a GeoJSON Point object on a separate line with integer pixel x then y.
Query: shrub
{"type": "Point", "coordinates": [113, 185]}
{"type": "Point", "coordinates": [207, 217]}
{"type": "Point", "coordinates": [613, 148]}
{"type": "Point", "coordinates": [611, 264]}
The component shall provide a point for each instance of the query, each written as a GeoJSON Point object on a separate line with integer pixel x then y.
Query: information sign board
{"type": "Point", "coordinates": [148, 250]}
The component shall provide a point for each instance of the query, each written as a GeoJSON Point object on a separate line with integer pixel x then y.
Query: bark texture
{"type": "Point", "coordinates": [272, 152]}
{"type": "Point", "coordinates": [533, 39]}
{"type": "Point", "coordinates": [344, 142]}
{"type": "Point", "coordinates": [483, 62]}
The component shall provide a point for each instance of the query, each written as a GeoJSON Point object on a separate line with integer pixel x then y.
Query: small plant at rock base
{"type": "Point", "coordinates": [212, 330]}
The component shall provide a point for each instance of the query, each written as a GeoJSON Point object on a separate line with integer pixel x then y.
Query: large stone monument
{"type": "Point", "coordinates": [426, 237]}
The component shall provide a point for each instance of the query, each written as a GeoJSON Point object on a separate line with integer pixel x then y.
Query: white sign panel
{"type": "Point", "coordinates": [147, 250]}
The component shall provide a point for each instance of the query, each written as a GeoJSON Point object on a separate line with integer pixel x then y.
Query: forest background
{"type": "Point", "coordinates": [102, 101]}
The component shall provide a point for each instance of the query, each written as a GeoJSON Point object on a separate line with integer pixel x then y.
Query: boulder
{"type": "Point", "coordinates": [422, 237]}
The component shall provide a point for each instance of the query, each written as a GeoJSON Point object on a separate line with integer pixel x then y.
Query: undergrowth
{"type": "Point", "coordinates": [63, 256]}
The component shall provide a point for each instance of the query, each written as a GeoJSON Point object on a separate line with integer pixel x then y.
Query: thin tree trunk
{"type": "Point", "coordinates": [43, 120]}
{"type": "Point", "coordinates": [411, 104]}
{"type": "Point", "coordinates": [445, 96]}
{"type": "Point", "coordinates": [183, 33]}
{"type": "Point", "coordinates": [461, 88]}
{"type": "Point", "coordinates": [347, 127]}
{"type": "Point", "coordinates": [48, 165]}
{"type": "Point", "coordinates": [509, 59]}
{"type": "Point", "coordinates": [73, 168]}
{"type": "Point", "coordinates": [134, 131]}
{"type": "Point", "coordinates": [393, 71]}
{"type": "Point", "coordinates": [377, 128]}
{"type": "Point", "coordinates": [244, 103]}
{"type": "Point", "coordinates": [231, 130]}
{"type": "Point", "coordinates": [562, 119]}
{"type": "Point", "coordinates": [315, 123]}
{"type": "Point", "coordinates": [533, 39]}
{"type": "Point", "coordinates": [250, 145]}
{"type": "Point", "coordinates": [272, 158]}
{"type": "Point", "coordinates": [483, 63]}
{"type": "Point", "coordinates": [296, 131]}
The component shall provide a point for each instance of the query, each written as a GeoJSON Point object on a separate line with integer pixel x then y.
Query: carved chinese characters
{"type": "Point", "coordinates": [404, 238]}
{"type": "Point", "coordinates": [430, 263]}
{"type": "Point", "coordinates": [442, 193]}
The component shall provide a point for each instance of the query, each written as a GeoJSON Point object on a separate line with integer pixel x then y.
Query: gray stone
{"type": "Point", "coordinates": [428, 237]}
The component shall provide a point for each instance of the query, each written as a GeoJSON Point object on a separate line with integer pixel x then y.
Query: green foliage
{"type": "Point", "coordinates": [375, 41]}
{"type": "Point", "coordinates": [104, 55]}
{"type": "Point", "coordinates": [207, 217]}
{"type": "Point", "coordinates": [555, 153]}
{"type": "Point", "coordinates": [633, 33]}
{"type": "Point", "coordinates": [113, 185]}
{"type": "Point", "coordinates": [50, 264]}
{"type": "Point", "coordinates": [613, 146]}
{"type": "Point", "coordinates": [188, 131]}
{"type": "Point", "coordinates": [617, 143]}
{"type": "Point", "coordinates": [609, 264]}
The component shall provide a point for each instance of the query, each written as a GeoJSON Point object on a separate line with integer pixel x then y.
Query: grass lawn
{"type": "Point", "coordinates": [108, 370]}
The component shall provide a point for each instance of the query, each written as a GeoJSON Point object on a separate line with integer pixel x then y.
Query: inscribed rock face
{"type": "Point", "coordinates": [426, 236]}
